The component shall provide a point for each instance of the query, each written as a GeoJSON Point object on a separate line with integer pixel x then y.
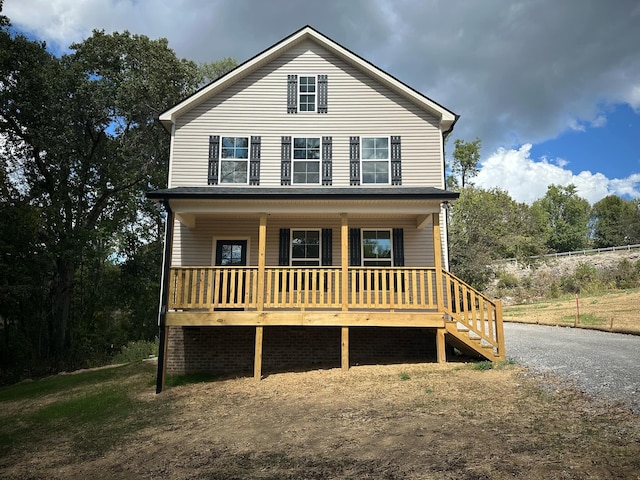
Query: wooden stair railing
{"type": "Point", "coordinates": [472, 319]}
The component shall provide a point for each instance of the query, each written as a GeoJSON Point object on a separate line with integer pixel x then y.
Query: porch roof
{"type": "Point", "coordinates": [303, 193]}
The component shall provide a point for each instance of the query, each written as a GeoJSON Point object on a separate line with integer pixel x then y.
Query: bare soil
{"type": "Point", "coordinates": [415, 421]}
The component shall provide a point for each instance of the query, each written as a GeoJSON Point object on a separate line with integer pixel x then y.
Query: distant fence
{"type": "Point", "coordinates": [592, 251]}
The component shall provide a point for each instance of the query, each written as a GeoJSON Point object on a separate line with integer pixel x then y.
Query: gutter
{"type": "Point", "coordinates": [164, 297]}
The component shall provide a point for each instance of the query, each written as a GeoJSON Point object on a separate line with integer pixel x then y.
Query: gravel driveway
{"type": "Point", "coordinates": [603, 365]}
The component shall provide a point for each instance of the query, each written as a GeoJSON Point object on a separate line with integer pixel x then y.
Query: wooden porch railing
{"type": "Point", "coordinates": [475, 312]}
{"type": "Point", "coordinates": [302, 287]}
{"type": "Point", "coordinates": [390, 289]}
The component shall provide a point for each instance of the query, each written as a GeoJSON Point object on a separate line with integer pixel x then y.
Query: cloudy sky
{"type": "Point", "coordinates": [552, 87]}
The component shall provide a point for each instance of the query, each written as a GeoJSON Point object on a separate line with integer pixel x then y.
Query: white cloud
{"type": "Point", "coordinates": [527, 179]}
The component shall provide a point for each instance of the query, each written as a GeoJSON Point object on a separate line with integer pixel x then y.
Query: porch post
{"type": "Point", "coordinates": [441, 350]}
{"type": "Point", "coordinates": [437, 259]}
{"type": "Point", "coordinates": [344, 260]}
{"type": "Point", "coordinates": [344, 263]}
{"type": "Point", "coordinates": [257, 361]}
{"type": "Point", "coordinates": [262, 246]}
{"type": "Point", "coordinates": [345, 348]}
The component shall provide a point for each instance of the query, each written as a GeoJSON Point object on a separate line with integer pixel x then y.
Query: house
{"type": "Point", "coordinates": [305, 221]}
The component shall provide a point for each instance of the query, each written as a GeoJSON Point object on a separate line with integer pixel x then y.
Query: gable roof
{"type": "Point", "coordinates": [446, 116]}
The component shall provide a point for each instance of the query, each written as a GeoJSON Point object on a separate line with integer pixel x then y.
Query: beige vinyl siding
{"type": "Point", "coordinates": [357, 106]}
{"type": "Point", "coordinates": [195, 246]}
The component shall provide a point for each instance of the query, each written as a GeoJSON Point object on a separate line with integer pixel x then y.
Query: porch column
{"type": "Point", "coordinates": [164, 298]}
{"type": "Point", "coordinates": [441, 350]}
{"type": "Point", "coordinates": [344, 260]}
{"type": "Point", "coordinates": [344, 263]}
{"type": "Point", "coordinates": [257, 361]}
{"type": "Point", "coordinates": [262, 246]}
{"type": "Point", "coordinates": [437, 259]}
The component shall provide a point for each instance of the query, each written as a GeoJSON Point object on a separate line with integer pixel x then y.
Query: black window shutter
{"type": "Point", "coordinates": [398, 247]}
{"type": "Point", "coordinates": [283, 252]}
{"type": "Point", "coordinates": [322, 94]}
{"type": "Point", "coordinates": [326, 160]}
{"type": "Point", "coordinates": [254, 161]}
{"type": "Point", "coordinates": [327, 247]}
{"type": "Point", "coordinates": [396, 164]}
{"type": "Point", "coordinates": [292, 94]}
{"type": "Point", "coordinates": [214, 156]}
{"type": "Point", "coordinates": [355, 252]}
{"type": "Point", "coordinates": [285, 165]}
{"type": "Point", "coordinates": [354, 160]}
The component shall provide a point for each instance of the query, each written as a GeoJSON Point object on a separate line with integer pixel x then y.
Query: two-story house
{"type": "Point", "coordinates": [305, 221]}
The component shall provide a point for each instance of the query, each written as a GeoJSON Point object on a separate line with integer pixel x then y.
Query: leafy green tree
{"type": "Point", "coordinates": [464, 166]}
{"type": "Point", "coordinates": [614, 222]}
{"type": "Point", "coordinates": [210, 71]}
{"type": "Point", "coordinates": [566, 216]}
{"type": "Point", "coordinates": [487, 225]}
{"type": "Point", "coordinates": [82, 144]}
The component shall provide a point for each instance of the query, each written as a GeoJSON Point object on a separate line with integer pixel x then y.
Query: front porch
{"type": "Point", "coordinates": [424, 298]}
{"type": "Point", "coordinates": [341, 296]}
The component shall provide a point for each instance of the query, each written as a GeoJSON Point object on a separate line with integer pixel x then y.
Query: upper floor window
{"type": "Point", "coordinates": [305, 248]}
{"type": "Point", "coordinates": [306, 160]}
{"type": "Point", "coordinates": [307, 94]}
{"type": "Point", "coordinates": [234, 160]}
{"type": "Point", "coordinates": [375, 160]}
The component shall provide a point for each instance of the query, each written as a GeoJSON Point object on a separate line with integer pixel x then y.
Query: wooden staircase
{"type": "Point", "coordinates": [473, 322]}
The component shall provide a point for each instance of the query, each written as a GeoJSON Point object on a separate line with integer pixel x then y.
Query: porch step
{"type": "Point", "coordinates": [469, 343]}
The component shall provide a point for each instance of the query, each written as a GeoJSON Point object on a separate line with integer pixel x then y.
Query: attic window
{"type": "Point", "coordinates": [307, 94]}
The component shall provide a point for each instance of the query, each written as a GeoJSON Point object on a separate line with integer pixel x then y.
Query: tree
{"type": "Point", "coordinates": [566, 215]}
{"type": "Point", "coordinates": [614, 222]}
{"type": "Point", "coordinates": [487, 225]}
{"type": "Point", "coordinates": [210, 71]}
{"type": "Point", "coordinates": [466, 156]}
{"type": "Point", "coordinates": [83, 144]}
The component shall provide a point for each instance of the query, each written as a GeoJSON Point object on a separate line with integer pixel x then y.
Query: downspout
{"type": "Point", "coordinates": [164, 296]}
{"type": "Point", "coordinates": [445, 134]}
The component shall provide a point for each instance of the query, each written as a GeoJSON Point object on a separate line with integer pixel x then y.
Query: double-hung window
{"type": "Point", "coordinates": [234, 160]}
{"type": "Point", "coordinates": [306, 160]}
{"type": "Point", "coordinates": [376, 248]}
{"type": "Point", "coordinates": [376, 160]}
{"type": "Point", "coordinates": [307, 94]}
{"type": "Point", "coordinates": [305, 248]}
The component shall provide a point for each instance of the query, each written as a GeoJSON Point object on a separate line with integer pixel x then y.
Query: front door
{"type": "Point", "coordinates": [231, 253]}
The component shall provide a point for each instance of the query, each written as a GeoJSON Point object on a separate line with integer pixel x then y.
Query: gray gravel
{"type": "Point", "coordinates": [603, 365]}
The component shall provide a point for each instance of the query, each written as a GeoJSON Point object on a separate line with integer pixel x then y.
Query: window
{"type": "Point", "coordinates": [375, 160]}
{"type": "Point", "coordinates": [234, 160]}
{"type": "Point", "coordinates": [307, 94]}
{"type": "Point", "coordinates": [376, 248]}
{"type": "Point", "coordinates": [305, 248]}
{"type": "Point", "coordinates": [306, 161]}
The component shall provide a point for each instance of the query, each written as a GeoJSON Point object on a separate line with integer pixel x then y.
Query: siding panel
{"type": "Point", "coordinates": [257, 105]}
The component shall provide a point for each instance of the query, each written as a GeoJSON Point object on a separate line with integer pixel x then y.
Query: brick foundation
{"type": "Point", "coordinates": [221, 350]}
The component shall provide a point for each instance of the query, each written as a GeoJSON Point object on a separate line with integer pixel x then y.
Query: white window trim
{"type": "Point", "coordinates": [362, 160]}
{"type": "Point", "coordinates": [291, 259]}
{"type": "Point", "coordinates": [293, 159]}
{"type": "Point", "coordinates": [230, 237]}
{"type": "Point", "coordinates": [315, 95]}
{"type": "Point", "coordinates": [248, 137]}
{"type": "Point", "coordinates": [362, 257]}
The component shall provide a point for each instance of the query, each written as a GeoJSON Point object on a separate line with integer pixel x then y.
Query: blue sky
{"type": "Point", "coordinates": [551, 87]}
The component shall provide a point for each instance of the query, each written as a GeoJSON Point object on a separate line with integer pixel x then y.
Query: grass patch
{"type": "Point", "coordinates": [404, 376]}
{"type": "Point", "coordinates": [93, 411]}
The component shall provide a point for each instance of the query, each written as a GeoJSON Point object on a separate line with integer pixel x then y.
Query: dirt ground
{"type": "Point", "coordinates": [416, 421]}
